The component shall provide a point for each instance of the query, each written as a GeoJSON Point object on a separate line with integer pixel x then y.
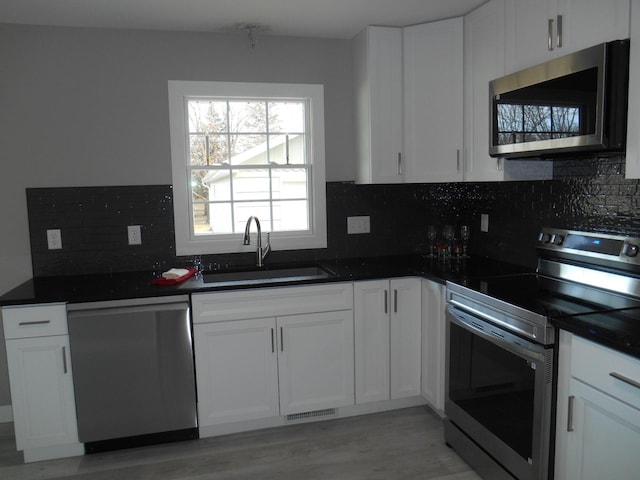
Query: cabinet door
{"type": "Point", "coordinates": [588, 22]}
{"type": "Point", "coordinates": [371, 322]}
{"type": "Point", "coordinates": [584, 23]}
{"type": "Point", "coordinates": [236, 370]}
{"type": "Point", "coordinates": [41, 385]}
{"type": "Point", "coordinates": [378, 96]}
{"type": "Point", "coordinates": [484, 50]}
{"type": "Point", "coordinates": [433, 110]}
{"type": "Point", "coordinates": [527, 27]}
{"type": "Point", "coordinates": [605, 438]}
{"type": "Point", "coordinates": [406, 310]}
{"type": "Point", "coordinates": [433, 343]}
{"type": "Point", "coordinates": [315, 361]}
{"type": "Point", "coordinates": [633, 119]}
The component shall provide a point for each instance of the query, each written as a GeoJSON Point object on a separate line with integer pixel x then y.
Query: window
{"type": "Point", "coordinates": [246, 149]}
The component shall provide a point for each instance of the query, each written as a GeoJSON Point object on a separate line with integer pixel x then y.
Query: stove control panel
{"type": "Point", "coordinates": [590, 245]}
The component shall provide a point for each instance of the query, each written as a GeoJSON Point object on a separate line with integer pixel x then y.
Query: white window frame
{"type": "Point", "coordinates": [187, 243]}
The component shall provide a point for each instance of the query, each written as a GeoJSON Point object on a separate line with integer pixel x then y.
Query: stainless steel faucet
{"type": "Point", "coordinates": [261, 253]}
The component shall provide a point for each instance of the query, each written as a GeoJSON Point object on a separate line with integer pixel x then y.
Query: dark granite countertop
{"type": "Point", "coordinates": [621, 331]}
{"type": "Point", "coordinates": [617, 330]}
{"type": "Point", "coordinates": [118, 286]}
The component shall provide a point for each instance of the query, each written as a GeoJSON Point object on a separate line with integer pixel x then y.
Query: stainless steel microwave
{"type": "Point", "coordinates": [571, 104]}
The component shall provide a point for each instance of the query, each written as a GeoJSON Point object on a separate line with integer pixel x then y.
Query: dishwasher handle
{"type": "Point", "coordinates": [128, 306]}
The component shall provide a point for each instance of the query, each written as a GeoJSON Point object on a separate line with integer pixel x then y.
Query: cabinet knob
{"type": "Point", "coordinates": [630, 250]}
{"type": "Point", "coordinates": [557, 239]}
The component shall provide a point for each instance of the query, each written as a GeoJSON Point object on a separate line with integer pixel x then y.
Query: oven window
{"type": "Point", "coordinates": [493, 386]}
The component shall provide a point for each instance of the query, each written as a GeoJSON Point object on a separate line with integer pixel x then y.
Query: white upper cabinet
{"type": "Point", "coordinates": [484, 50]}
{"type": "Point", "coordinates": [433, 101]}
{"type": "Point", "coordinates": [378, 99]}
{"type": "Point", "coordinates": [538, 30]}
{"type": "Point", "coordinates": [408, 86]}
{"type": "Point", "coordinates": [633, 120]}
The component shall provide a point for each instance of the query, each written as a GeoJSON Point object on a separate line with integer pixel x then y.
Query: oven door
{"type": "Point", "coordinates": [499, 393]}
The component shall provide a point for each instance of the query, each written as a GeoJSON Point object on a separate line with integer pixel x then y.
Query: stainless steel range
{"type": "Point", "coordinates": [499, 401]}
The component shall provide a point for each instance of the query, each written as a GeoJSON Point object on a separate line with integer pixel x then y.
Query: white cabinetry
{"type": "Point", "coordinates": [41, 381]}
{"type": "Point", "coordinates": [378, 97]}
{"type": "Point", "coordinates": [539, 30]}
{"type": "Point", "coordinates": [484, 51]}
{"type": "Point", "coordinates": [408, 85]}
{"type": "Point", "coordinates": [237, 370]}
{"type": "Point", "coordinates": [433, 343]}
{"type": "Point", "coordinates": [633, 121]}
{"type": "Point", "coordinates": [387, 339]}
{"type": "Point", "coordinates": [598, 423]}
{"type": "Point", "coordinates": [273, 351]}
{"type": "Point", "coordinates": [315, 362]}
{"type": "Point", "coordinates": [433, 101]}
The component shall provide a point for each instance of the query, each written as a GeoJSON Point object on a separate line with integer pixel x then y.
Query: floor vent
{"type": "Point", "coordinates": [328, 412]}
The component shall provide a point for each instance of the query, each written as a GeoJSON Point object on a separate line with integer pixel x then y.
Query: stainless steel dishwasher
{"type": "Point", "coordinates": [133, 372]}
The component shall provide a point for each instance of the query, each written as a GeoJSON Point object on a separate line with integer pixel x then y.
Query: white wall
{"type": "Point", "coordinates": [88, 107]}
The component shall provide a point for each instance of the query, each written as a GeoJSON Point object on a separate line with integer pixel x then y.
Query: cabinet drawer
{"type": "Point", "coordinates": [271, 302]}
{"type": "Point", "coordinates": [607, 370]}
{"type": "Point", "coordinates": [34, 320]}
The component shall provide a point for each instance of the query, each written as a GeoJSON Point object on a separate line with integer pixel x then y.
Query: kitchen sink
{"type": "Point", "coordinates": [267, 275]}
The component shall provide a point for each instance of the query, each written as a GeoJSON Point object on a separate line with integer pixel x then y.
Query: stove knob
{"type": "Point", "coordinates": [557, 239]}
{"type": "Point", "coordinates": [544, 237]}
{"type": "Point", "coordinates": [631, 250]}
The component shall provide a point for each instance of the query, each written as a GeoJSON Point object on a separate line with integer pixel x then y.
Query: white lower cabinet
{"type": "Point", "coordinates": [598, 419]}
{"type": "Point", "coordinates": [315, 361]}
{"type": "Point", "coordinates": [295, 360]}
{"type": "Point", "coordinates": [41, 381]}
{"type": "Point", "coordinates": [237, 370]}
{"type": "Point", "coordinates": [433, 343]}
{"type": "Point", "coordinates": [387, 339]}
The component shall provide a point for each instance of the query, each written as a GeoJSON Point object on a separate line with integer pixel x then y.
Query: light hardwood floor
{"type": "Point", "coordinates": [399, 445]}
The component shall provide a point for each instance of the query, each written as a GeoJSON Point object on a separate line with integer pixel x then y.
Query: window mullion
{"type": "Point", "coordinates": [271, 198]}
{"type": "Point", "coordinates": [231, 184]}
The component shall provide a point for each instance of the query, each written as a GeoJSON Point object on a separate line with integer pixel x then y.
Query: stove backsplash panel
{"type": "Point", "coordinates": [584, 195]}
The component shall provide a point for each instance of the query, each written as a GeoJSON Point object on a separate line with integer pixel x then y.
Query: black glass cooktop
{"type": "Point", "coordinates": [550, 297]}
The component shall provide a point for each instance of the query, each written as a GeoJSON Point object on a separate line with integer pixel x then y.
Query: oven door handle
{"type": "Point", "coordinates": [531, 352]}
{"type": "Point", "coordinates": [490, 318]}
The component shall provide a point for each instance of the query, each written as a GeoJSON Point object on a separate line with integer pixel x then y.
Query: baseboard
{"type": "Point", "coordinates": [6, 414]}
{"type": "Point", "coordinates": [53, 452]}
{"type": "Point", "coordinates": [341, 412]}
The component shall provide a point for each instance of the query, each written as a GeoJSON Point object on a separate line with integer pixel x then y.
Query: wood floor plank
{"type": "Point", "coordinates": [404, 444]}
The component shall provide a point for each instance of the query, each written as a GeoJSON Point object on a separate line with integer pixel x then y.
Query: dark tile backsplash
{"type": "Point", "coordinates": [589, 194]}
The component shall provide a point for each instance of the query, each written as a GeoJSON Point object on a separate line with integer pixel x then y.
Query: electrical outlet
{"type": "Point", "coordinates": [135, 238]}
{"type": "Point", "coordinates": [484, 222]}
{"type": "Point", "coordinates": [54, 239]}
{"type": "Point", "coordinates": [358, 224]}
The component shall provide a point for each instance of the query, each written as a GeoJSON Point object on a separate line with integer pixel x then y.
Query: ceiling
{"type": "Point", "coordinates": [341, 19]}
